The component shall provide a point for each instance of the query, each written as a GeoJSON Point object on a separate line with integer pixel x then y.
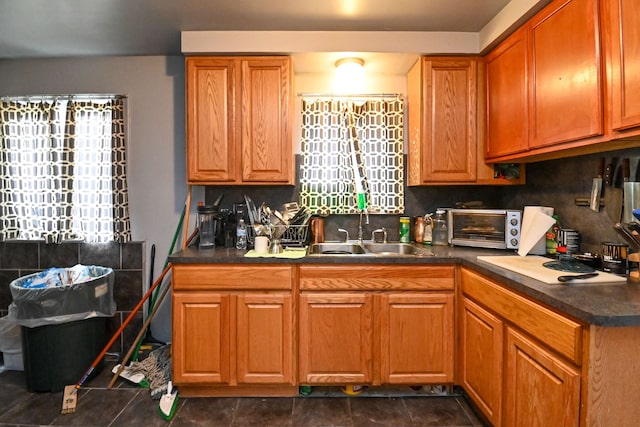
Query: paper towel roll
{"type": "Point", "coordinates": [536, 220]}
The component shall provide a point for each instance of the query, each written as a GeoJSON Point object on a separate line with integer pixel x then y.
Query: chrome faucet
{"type": "Point", "coordinates": [366, 214]}
{"type": "Point", "coordinates": [346, 234]}
{"type": "Point", "coordinates": [379, 230]}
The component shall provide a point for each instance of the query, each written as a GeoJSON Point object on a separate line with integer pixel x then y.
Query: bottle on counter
{"type": "Point", "coordinates": [405, 232]}
{"type": "Point", "coordinates": [552, 237]}
{"type": "Point", "coordinates": [241, 235]}
{"type": "Point", "coordinates": [427, 235]}
{"type": "Point", "coordinates": [418, 228]}
{"type": "Point", "coordinates": [440, 230]}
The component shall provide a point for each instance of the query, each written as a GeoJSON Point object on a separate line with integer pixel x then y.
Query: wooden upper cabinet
{"type": "Point", "coordinates": [560, 91]}
{"type": "Point", "coordinates": [239, 114]}
{"type": "Point", "coordinates": [446, 139]}
{"type": "Point", "coordinates": [266, 120]}
{"type": "Point", "coordinates": [622, 23]}
{"type": "Point", "coordinates": [211, 134]}
{"type": "Point", "coordinates": [566, 100]}
{"type": "Point", "coordinates": [507, 112]}
{"type": "Point", "coordinates": [442, 120]}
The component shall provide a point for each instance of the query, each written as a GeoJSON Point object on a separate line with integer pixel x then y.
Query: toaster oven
{"type": "Point", "coordinates": [485, 228]}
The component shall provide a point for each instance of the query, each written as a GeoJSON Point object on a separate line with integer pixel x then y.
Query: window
{"type": "Point", "coordinates": [63, 169]}
{"type": "Point", "coordinates": [351, 148]}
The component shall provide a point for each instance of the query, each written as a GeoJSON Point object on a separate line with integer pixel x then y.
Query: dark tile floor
{"type": "Point", "coordinates": [126, 405]}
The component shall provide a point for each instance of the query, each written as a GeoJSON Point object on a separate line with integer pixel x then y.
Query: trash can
{"type": "Point", "coordinates": [11, 345]}
{"type": "Point", "coordinates": [63, 317]}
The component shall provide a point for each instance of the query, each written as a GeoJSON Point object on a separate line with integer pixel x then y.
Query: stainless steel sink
{"type": "Point", "coordinates": [391, 248]}
{"type": "Point", "coordinates": [354, 249]}
{"type": "Point", "coordinates": [335, 249]}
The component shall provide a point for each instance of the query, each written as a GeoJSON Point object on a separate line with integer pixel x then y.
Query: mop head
{"type": "Point", "coordinates": [168, 403]}
{"type": "Point", "coordinates": [157, 370]}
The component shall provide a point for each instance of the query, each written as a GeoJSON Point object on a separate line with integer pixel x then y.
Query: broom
{"type": "Point", "coordinates": [70, 396]}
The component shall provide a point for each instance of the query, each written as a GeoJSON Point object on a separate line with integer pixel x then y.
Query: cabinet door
{"type": "Point", "coordinates": [482, 349]}
{"type": "Point", "coordinates": [264, 339]}
{"type": "Point", "coordinates": [624, 39]}
{"type": "Point", "coordinates": [201, 337]}
{"type": "Point", "coordinates": [265, 120]}
{"type": "Point", "coordinates": [211, 132]}
{"type": "Point", "coordinates": [541, 390]}
{"type": "Point", "coordinates": [416, 337]}
{"type": "Point", "coordinates": [507, 94]}
{"type": "Point", "coordinates": [565, 88]}
{"type": "Point", "coordinates": [449, 139]}
{"type": "Point", "coordinates": [336, 338]}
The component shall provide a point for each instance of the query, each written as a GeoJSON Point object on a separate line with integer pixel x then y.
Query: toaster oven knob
{"type": "Point", "coordinates": [514, 231]}
{"type": "Point", "coordinates": [514, 221]}
{"type": "Point", "coordinates": [514, 242]}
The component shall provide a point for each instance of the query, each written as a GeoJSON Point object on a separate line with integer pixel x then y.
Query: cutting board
{"type": "Point", "coordinates": [531, 266]}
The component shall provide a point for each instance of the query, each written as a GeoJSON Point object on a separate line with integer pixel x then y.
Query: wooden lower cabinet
{"type": "Point", "coordinates": [233, 326]}
{"type": "Point", "coordinates": [365, 338]}
{"type": "Point", "coordinates": [368, 338]}
{"type": "Point", "coordinates": [416, 338]}
{"type": "Point", "coordinates": [259, 335]}
{"type": "Point", "coordinates": [541, 389]}
{"type": "Point", "coordinates": [513, 378]}
{"type": "Point", "coordinates": [482, 359]}
{"type": "Point", "coordinates": [376, 325]}
{"type": "Point", "coordinates": [264, 331]}
{"type": "Point", "coordinates": [336, 338]}
{"type": "Point", "coordinates": [201, 337]}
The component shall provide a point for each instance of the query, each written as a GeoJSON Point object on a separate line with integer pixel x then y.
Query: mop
{"type": "Point", "coordinates": [156, 368]}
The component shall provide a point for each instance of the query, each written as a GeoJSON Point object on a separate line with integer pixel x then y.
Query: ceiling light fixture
{"type": "Point", "coordinates": [349, 75]}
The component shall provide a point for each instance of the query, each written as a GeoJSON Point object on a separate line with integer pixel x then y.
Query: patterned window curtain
{"type": "Point", "coordinates": [344, 142]}
{"type": "Point", "coordinates": [56, 171]}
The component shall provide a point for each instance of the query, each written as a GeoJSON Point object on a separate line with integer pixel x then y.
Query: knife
{"type": "Point", "coordinates": [615, 208]}
{"type": "Point", "coordinates": [608, 193]}
{"type": "Point", "coordinates": [596, 187]}
{"type": "Point", "coordinates": [631, 197]}
{"type": "Point", "coordinates": [570, 277]}
{"type": "Point", "coordinates": [626, 190]}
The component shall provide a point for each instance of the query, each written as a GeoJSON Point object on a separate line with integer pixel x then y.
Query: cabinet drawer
{"type": "Point", "coordinates": [370, 277]}
{"type": "Point", "coordinates": [558, 332]}
{"type": "Point", "coordinates": [256, 277]}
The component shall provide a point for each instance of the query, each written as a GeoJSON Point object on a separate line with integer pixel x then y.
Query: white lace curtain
{"type": "Point", "coordinates": [63, 171]}
{"type": "Point", "coordinates": [350, 148]}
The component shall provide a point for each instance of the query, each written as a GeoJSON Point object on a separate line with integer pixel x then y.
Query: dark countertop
{"type": "Point", "coordinates": [602, 304]}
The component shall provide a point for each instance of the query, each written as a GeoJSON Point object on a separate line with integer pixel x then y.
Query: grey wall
{"type": "Point", "coordinates": [154, 86]}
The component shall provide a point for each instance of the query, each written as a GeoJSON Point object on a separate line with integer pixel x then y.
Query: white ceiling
{"type": "Point", "coordinates": [64, 28]}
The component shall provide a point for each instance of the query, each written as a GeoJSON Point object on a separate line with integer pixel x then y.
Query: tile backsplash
{"type": "Point", "coordinates": [555, 183]}
{"type": "Point", "coordinates": [21, 258]}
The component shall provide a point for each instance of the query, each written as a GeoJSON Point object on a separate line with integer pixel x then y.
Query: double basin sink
{"type": "Point", "coordinates": [357, 249]}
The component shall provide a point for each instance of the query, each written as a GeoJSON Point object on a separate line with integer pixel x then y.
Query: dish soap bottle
{"type": "Point", "coordinates": [440, 231]}
{"type": "Point", "coordinates": [241, 235]}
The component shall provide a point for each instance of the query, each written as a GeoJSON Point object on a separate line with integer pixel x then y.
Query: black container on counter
{"type": "Point", "coordinates": [614, 257]}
